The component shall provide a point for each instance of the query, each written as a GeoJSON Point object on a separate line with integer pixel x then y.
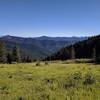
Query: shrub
{"type": "Point", "coordinates": [46, 63]}
{"type": "Point", "coordinates": [76, 76]}
{"type": "Point", "coordinates": [38, 64]}
{"type": "Point", "coordinates": [10, 76]}
{"type": "Point", "coordinates": [73, 80]}
{"type": "Point", "coordinates": [29, 78]}
{"type": "Point", "coordinates": [20, 98]}
{"type": "Point", "coordinates": [89, 79]}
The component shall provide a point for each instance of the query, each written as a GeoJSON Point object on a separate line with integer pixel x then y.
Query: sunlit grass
{"type": "Point", "coordinates": [52, 81]}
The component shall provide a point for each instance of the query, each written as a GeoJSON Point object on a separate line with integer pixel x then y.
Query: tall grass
{"type": "Point", "coordinates": [58, 81]}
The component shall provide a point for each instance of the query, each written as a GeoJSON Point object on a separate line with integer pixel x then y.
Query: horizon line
{"type": "Point", "coordinates": [32, 36]}
{"type": "Point", "coordinates": [49, 36]}
{"type": "Point", "coordinates": [46, 36]}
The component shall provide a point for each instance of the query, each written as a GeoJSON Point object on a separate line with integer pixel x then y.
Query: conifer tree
{"type": "Point", "coordinates": [94, 55]}
{"type": "Point", "coordinates": [9, 58]}
{"type": "Point", "coordinates": [16, 54]}
{"type": "Point", "coordinates": [72, 52]}
{"type": "Point", "coordinates": [2, 52]}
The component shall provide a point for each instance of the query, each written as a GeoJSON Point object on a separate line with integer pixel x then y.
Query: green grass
{"type": "Point", "coordinates": [53, 81]}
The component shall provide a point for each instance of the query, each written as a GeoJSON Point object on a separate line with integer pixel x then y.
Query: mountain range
{"type": "Point", "coordinates": [39, 47]}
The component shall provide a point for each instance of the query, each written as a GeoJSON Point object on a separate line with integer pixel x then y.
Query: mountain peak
{"type": "Point", "coordinates": [7, 37]}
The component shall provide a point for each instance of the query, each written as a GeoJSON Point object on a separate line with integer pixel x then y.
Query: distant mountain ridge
{"type": "Point", "coordinates": [39, 47]}
{"type": "Point", "coordinates": [73, 38]}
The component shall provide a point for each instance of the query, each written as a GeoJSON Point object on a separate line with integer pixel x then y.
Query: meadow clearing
{"type": "Point", "coordinates": [50, 81]}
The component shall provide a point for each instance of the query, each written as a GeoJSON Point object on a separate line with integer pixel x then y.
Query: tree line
{"type": "Point", "coordinates": [87, 49]}
{"type": "Point", "coordinates": [71, 54]}
{"type": "Point", "coordinates": [11, 56]}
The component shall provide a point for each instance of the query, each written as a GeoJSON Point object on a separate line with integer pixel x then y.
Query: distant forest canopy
{"type": "Point", "coordinates": [14, 55]}
{"type": "Point", "coordinates": [89, 48]}
{"type": "Point", "coordinates": [38, 47]}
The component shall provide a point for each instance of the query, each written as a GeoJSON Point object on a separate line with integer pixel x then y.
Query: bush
{"type": "Point", "coordinates": [89, 79]}
{"type": "Point", "coordinates": [29, 78]}
{"type": "Point", "coordinates": [20, 98]}
{"type": "Point", "coordinates": [76, 76]}
{"type": "Point", "coordinates": [10, 76]}
{"type": "Point", "coordinates": [38, 64]}
{"type": "Point", "coordinates": [46, 63]}
{"type": "Point", "coordinates": [73, 80]}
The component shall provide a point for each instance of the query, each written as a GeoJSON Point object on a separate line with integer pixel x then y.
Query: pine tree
{"type": "Point", "coordinates": [16, 54]}
{"type": "Point", "coordinates": [72, 52]}
{"type": "Point", "coordinates": [28, 59]}
{"type": "Point", "coordinates": [94, 55]}
{"type": "Point", "coordinates": [3, 58]}
{"type": "Point", "coordinates": [9, 58]}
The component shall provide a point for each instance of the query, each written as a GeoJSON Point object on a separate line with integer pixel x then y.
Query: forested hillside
{"type": "Point", "coordinates": [39, 47]}
{"type": "Point", "coordinates": [85, 49]}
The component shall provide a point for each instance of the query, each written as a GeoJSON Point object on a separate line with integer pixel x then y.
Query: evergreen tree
{"type": "Point", "coordinates": [28, 59]}
{"type": "Point", "coordinates": [94, 55]}
{"type": "Point", "coordinates": [16, 54]}
{"type": "Point", "coordinates": [98, 59]}
{"type": "Point", "coordinates": [72, 52]}
{"type": "Point", "coordinates": [9, 58]}
{"type": "Point", "coordinates": [2, 52]}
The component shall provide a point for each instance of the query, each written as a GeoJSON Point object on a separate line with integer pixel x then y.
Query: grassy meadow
{"type": "Point", "coordinates": [57, 80]}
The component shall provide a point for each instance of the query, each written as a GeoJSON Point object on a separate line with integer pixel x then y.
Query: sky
{"type": "Point", "coordinates": [33, 18]}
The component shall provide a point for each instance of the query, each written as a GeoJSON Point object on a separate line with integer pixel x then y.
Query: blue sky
{"type": "Point", "coordinates": [49, 17]}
